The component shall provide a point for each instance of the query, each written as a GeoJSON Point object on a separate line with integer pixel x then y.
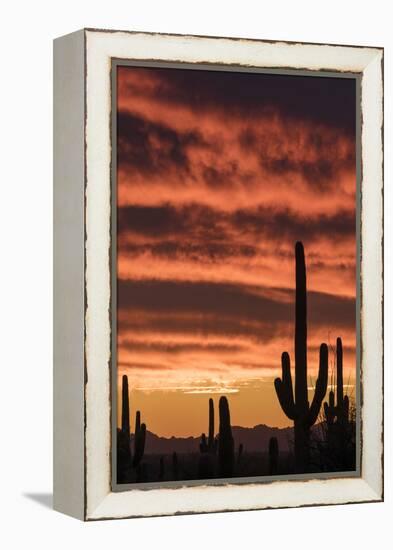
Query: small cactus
{"type": "Point", "coordinates": [209, 445]}
{"type": "Point", "coordinates": [340, 410]}
{"type": "Point", "coordinates": [337, 418]}
{"type": "Point", "coordinates": [139, 440]}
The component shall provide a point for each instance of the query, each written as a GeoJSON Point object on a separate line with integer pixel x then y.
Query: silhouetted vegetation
{"type": "Point", "coordinates": [338, 426]}
{"type": "Point", "coordinates": [324, 439]}
{"type": "Point", "coordinates": [209, 445]}
{"type": "Point", "coordinates": [296, 406]}
{"type": "Point", "coordinates": [129, 466]}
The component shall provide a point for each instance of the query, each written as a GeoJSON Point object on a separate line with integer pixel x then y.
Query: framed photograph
{"type": "Point", "coordinates": [218, 340]}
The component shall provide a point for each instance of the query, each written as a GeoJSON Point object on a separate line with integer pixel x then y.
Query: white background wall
{"type": "Point", "coordinates": [28, 28]}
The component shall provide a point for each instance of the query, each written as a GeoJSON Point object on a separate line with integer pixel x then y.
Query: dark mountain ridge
{"type": "Point", "coordinates": [254, 439]}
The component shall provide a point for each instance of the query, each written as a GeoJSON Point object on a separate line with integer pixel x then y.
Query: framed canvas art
{"type": "Point", "coordinates": [218, 274]}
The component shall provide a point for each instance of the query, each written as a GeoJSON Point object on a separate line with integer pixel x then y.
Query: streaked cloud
{"type": "Point", "coordinates": [218, 175]}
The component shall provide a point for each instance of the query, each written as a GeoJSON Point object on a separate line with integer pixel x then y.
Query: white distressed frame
{"type": "Point", "coordinates": [100, 47]}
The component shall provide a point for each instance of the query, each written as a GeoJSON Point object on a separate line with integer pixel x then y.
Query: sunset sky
{"type": "Point", "coordinates": [219, 174]}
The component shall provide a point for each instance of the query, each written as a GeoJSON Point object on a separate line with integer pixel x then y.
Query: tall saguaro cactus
{"type": "Point", "coordinates": [297, 407]}
{"type": "Point", "coordinates": [123, 436]}
{"type": "Point", "coordinates": [125, 459]}
{"type": "Point", "coordinates": [226, 445]}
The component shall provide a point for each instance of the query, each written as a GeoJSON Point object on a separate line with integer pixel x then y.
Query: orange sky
{"type": "Point", "coordinates": [218, 175]}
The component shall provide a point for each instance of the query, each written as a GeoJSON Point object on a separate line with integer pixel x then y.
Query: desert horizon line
{"type": "Point", "coordinates": [233, 426]}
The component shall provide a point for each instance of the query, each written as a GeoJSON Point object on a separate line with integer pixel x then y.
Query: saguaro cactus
{"type": "Point", "coordinates": [273, 456]}
{"type": "Point", "coordinates": [139, 440]}
{"type": "Point", "coordinates": [125, 407]}
{"type": "Point", "coordinates": [337, 419]}
{"type": "Point", "coordinates": [125, 459]}
{"type": "Point", "coordinates": [226, 446]}
{"type": "Point", "coordinates": [340, 410]}
{"type": "Point", "coordinates": [209, 445]}
{"type": "Point", "coordinates": [123, 437]}
{"type": "Point", "coordinates": [297, 408]}
{"type": "Point", "coordinates": [211, 441]}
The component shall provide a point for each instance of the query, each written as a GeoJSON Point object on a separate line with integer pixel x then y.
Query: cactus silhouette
{"type": "Point", "coordinates": [337, 419]}
{"type": "Point", "coordinates": [125, 459]}
{"type": "Point", "coordinates": [139, 440]}
{"type": "Point", "coordinates": [209, 445]}
{"type": "Point", "coordinates": [211, 441]}
{"type": "Point", "coordinates": [125, 407]}
{"type": "Point", "coordinates": [123, 437]}
{"type": "Point", "coordinates": [273, 456]}
{"type": "Point", "coordinates": [340, 410]}
{"type": "Point", "coordinates": [296, 406]}
{"type": "Point", "coordinates": [226, 446]}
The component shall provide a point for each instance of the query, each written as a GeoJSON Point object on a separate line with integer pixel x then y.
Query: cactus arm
{"type": "Point", "coordinates": [320, 386]}
{"type": "Point", "coordinates": [284, 388]}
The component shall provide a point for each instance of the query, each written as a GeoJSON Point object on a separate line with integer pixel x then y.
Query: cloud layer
{"type": "Point", "coordinates": [219, 173]}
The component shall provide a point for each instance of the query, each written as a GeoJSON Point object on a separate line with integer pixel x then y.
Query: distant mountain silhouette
{"type": "Point", "coordinates": [254, 439]}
